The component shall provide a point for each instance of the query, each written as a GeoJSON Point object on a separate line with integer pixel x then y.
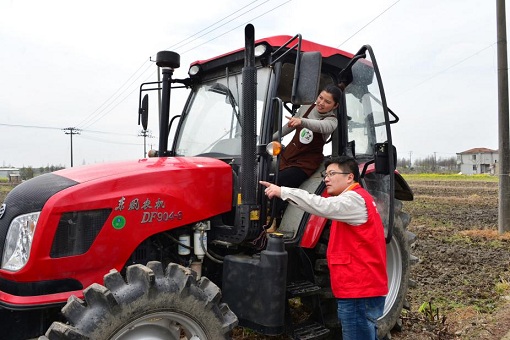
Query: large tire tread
{"type": "Point", "coordinates": [105, 310]}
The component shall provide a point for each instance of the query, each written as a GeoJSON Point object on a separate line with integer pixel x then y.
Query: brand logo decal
{"type": "Point", "coordinates": [2, 210]}
{"type": "Point", "coordinates": [119, 222]}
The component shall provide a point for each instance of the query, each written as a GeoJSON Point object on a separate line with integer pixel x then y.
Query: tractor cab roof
{"type": "Point", "coordinates": [330, 55]}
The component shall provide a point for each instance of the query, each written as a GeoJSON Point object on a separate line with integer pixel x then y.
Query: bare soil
{"type": "Point", "coordinates": [463, 274]}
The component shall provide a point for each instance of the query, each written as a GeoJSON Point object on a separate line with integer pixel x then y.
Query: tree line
{"type": "Point", "coordinates": [30, 172]}
{"type": "Point", "coordinates": [428, 164]}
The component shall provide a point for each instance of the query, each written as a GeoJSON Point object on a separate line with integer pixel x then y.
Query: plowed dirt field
{"type": "Point", "coordinates": [464, 267]}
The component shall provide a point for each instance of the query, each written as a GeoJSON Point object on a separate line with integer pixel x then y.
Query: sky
{"type": "Point", "coordinates": [79, 64]}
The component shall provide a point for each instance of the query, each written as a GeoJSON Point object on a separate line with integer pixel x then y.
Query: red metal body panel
{"type": "Point", "coordinates": [149, 195]}
{"type": "Point", "coordinates": [313, 230]}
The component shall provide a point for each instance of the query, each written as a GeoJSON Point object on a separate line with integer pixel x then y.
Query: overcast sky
{"type": "Point", "coordinates": [80, 63]}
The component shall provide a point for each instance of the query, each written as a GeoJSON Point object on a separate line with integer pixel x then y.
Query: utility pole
{"type": "Point", "coordinates": [410, 162]}
{"type": "Point", "coordinates": [72, 131]}
{"type": "Point", "coordinates": [503, 122]}
{"type": "Point", "coordinates": [146, 134]}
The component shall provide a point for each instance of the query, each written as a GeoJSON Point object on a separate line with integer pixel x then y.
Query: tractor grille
{"type": "Point", "coordinates": [76, 231]}
{"type": "Point", "coordinates": [28, 197]}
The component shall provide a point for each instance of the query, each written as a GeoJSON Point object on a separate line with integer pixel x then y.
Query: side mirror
{"type": "Point", "coordinates": [143, 112]}
{"type": "Point", "coordinates": [306, 85]}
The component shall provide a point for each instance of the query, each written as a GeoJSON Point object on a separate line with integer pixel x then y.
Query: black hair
{"type": "Point", "coordinates": [346, 163]}
{"type": "Point", "coordinates": [335, 92]}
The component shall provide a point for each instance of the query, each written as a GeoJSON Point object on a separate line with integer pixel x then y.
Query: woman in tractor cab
{"type": "Point", "coordinates": [313, 124]}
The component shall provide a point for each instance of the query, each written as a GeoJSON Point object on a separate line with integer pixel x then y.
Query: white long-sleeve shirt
{"type": "Point", "coordinates": [348, 207]}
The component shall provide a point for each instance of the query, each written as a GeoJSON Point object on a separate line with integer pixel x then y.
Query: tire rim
{"type": "Point", "coordinates": [394, 270]}
{"type": "Point", "coordinates": [162, 325]}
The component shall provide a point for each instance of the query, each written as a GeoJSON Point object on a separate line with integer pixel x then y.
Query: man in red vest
{"type": "Point", "coordinates": [356, 249]}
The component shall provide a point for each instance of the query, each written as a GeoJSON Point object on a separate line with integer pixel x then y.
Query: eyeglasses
{"type": "Point", "coordinates": [332, 173]}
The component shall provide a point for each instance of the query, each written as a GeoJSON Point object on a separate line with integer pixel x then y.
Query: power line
{"type": "Point", "coordinates": [109, 142]}
{"type": "Point", "coordinates": [100, 112]}
{"type": "Point", "coordinates": [371, 21]}
{"type": "Point", "coordinates": [446, 69]}
{"type": "Point", "coordinates": [31, 126]}
{"type": "Point", "coordinates": [104, 105]}
{"type": "Point", "coordinates": [217, 22]}
{"type": "Point", "coordinates": [236, 27]}
{"type": "Point", "coordinates": [104, 113]}
{"type": "Point", "coordinates": [59, 128]}
{"type": "Point", "coordinates": [111, 133]}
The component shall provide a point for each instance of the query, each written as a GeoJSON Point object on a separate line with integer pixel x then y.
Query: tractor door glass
{"type": "Point", "coordinates": [366, 124]}
{"type": "Point", "coordinates": [212, 123]}
{"type": "Point", "coordinates": [366, 127]}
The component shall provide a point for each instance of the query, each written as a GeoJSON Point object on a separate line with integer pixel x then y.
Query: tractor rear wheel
{"type": "Point", "coordinates": [151, 303]}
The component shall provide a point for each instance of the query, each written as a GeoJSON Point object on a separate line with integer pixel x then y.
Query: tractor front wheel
{"type": "Point", "coordinates": [150, 304]}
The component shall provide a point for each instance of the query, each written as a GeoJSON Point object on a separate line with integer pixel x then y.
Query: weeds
{"type": "Point", "coordinates": [430, 311]}
{"type": "Point", "coordinates": [503, 287]}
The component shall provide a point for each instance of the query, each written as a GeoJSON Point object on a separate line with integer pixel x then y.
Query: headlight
{"type": "Point", "coordinates": [260, 50]}
{"type": "Point", "coordinates": [193, 70]}
{"type": "Point", "coordinates": [19, 241]}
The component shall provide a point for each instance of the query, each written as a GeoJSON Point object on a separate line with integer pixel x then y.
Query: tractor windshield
{"type": "Point", "coordinates": [212, 122]}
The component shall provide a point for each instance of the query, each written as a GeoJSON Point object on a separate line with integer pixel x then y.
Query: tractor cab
{"type": "Point", "coordinates": [238, 102]}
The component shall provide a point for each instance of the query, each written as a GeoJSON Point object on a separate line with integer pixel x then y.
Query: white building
{"type": "Point", "coordinates": [478, 161]}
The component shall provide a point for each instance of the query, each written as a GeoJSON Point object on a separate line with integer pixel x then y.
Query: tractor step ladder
{"type": "Point", "coordinates": [307, 331]}
{"type": "Point", "coordinates": [302, 288]}
{"type": "Point", "coordinates": [314, 331]}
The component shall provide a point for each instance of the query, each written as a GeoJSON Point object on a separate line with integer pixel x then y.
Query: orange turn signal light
{"type": "Point", "coordinates": [274, 148]}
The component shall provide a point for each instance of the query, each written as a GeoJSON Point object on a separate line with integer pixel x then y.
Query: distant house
{"type": "Point", "coordinates": [478, 161]}
{"type": "Point", "coordinates": [12, 175]}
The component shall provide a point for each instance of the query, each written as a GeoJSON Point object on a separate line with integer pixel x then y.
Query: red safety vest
{"type": "Point", "coordinates": [357, 255]}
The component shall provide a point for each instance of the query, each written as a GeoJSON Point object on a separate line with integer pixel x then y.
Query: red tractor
{"type": "Point", "coordinates": [174, 246]}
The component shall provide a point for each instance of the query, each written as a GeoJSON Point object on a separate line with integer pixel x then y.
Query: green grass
{"type": "Point", "coordinates": [450, 177]}
{"type": "Point", "coordinates": [4, 190]}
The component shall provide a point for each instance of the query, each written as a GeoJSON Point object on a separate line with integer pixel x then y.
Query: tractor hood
{"type": "Point", "coordinates": [141, 167]}
{"type": "Point", "coordinates": [201, 183]}
{"type": "Point", "coordinates": [130, 201]}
